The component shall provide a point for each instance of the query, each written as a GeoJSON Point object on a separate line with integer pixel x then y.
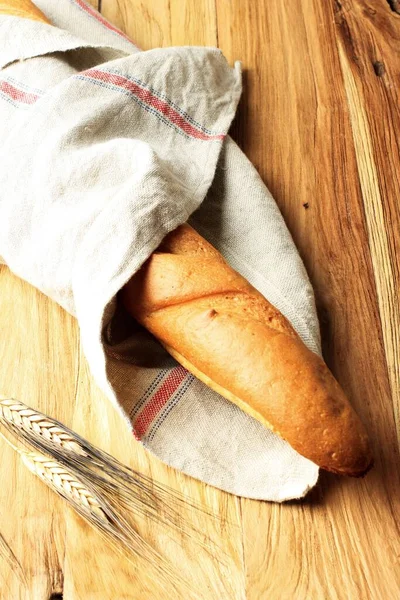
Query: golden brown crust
{"type": "Point", "coordinates": [223, 330]}
{"type": "Point", "coordinates": [22, 8]}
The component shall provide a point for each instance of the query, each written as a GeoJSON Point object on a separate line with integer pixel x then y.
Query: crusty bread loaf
{"type": "Point", "coordinates": [22, 8]}
{"type": "Point", "coordinates": [229, 336]}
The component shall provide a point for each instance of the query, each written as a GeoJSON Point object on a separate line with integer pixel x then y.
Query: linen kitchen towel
{"type": "Point", "coordinates": [105, 149]}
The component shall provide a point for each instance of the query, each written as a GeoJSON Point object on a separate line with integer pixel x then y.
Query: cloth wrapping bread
{"type": "Point", "coordinates": [105, 149]}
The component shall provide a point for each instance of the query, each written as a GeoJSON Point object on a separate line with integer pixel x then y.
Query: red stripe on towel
{"type": "Point", "coordinates": [166, 390]}
{"type": "Point", "coordinates": [17, 94]}
{"type": "Point", "coordinates": [147, 97]}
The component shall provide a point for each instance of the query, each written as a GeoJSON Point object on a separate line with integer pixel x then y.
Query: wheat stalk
{"type": "Point", "coordinates": [98, 512]}
{"type": "Point", "coordinates": [137, 492]}
{"type": "Point", "coordinates": [100, 488]}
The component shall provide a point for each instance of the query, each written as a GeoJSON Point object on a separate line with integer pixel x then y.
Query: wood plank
{"type": "Point", "coordinates": [38, 365]}
{"type": "Point", "coordinates": [193, 23]}
{"type": "Point", "coordinates": [318, 117]}
{"type": "Point", "coordinates": [373, 95]}
{"type": "Point", "coordinates": [164, 23]}
{"type": "Point", "coordinates": [297, 122]}
{"type": "Point", "coordinates": [148, 24]}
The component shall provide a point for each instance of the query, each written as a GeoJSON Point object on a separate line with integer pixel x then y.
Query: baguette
{"type": "Point", "coordinates": [220, 328]}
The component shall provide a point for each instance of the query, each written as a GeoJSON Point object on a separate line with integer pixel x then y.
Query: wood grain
{"type": "Point", "coordinates": [319, 117]}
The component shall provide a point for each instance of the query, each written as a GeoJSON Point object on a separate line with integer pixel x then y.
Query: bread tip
{"type": "Point", "coordinates": [355, 472]}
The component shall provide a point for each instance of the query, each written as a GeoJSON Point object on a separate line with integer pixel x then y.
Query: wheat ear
{"type": "Point", "coordinates": [64, 483]}
{"type": "Point", "coordinates": [98, 512]}
{"type": "Point", "coordinates": [117, 489]}
{"type": "Point", "coordinates": [135, 491]}
{"type": "Point", "coordinates": [18, 414]}
{"type": "Point", "coordinates": [61, 481]}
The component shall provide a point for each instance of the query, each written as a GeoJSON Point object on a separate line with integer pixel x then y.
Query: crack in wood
{"type": "Point", "coordinates": [53, 565]}
{"type": "Point", "coordinates": [344, 29]}
{"type": "Point", "coordinates": [8, 555]}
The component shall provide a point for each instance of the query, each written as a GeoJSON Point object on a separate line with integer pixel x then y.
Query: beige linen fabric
{"type": "Point", "coordinates": [104, 150]}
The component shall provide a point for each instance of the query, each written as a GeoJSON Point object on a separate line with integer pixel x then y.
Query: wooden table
{"type": "Point", "coordinates": [320, 119]}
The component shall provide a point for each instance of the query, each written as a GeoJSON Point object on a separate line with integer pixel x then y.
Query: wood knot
{"type": "Point", "coordinates": [379, 68]}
